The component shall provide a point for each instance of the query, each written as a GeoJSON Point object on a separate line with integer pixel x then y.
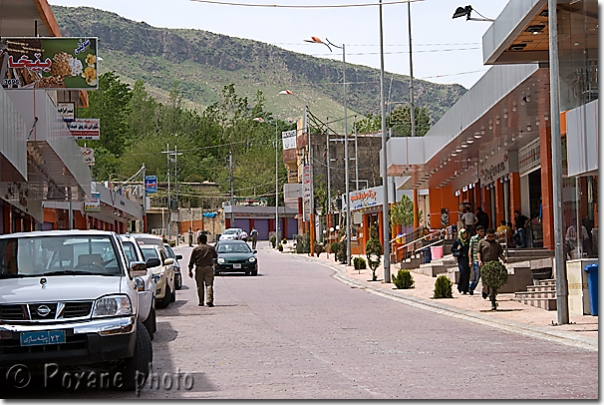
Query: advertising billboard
{"type": "Point", "coordinates": [151, 184]}
{"type": "Point", "coordinates": [94, 205]}
{"type": "Point", "coordinates": [85, 128]}
{"type": "Point", "coordinates": [49, 63]}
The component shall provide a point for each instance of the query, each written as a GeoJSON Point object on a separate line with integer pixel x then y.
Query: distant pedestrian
{"type": "Point", "coordinates": [243, 236]}
{"type": "Point", "coordinates": [474, 258]}
{"type": "Point", "coordinates": [482, 217]}
{"type": "Point", "coordinates": [197, 234]}
{"type": "Point", "coordinates": [469, 221]}
{"type": "Point", "coordinates": [520, 234]}
{"type": "Point", "coordinates": [254, 237]}
{"type": "Point", "coordinates": [202, 258]}
{"type": "Point", "coordinates": [460, 250]}
{"type": "Point", "coordinates": [489, 249]}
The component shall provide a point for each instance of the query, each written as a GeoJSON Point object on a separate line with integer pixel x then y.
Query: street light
{"type": "Point", "coordinates": [261, 120]}
{"type": "Point", "coordinates": [466, 12]}
{"type": "Point", "coordinates": [327, 43]}
{"type": "Point", "coordinates": [312, 184]}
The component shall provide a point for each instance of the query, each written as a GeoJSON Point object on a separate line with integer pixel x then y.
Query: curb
{"type": "Point", "coordinates": [561, 337]}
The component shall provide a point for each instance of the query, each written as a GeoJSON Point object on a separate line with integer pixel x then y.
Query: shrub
{"type": "Point", "coordinates": [280, 248]}
{"type": "Point", "coordinates": [284, 241]}
{"type": "Point", "coordinates": [494, 275]}
{"type": "Point", "coordinates": [172, 243]}
{"type": "Point", "coordinates": [342, 254]}
{"type": "Point", "coordinates": [403, 279]}
{"type": "Point", "coordinates": [318, 249]}
{"type": "Point", "coordinates": [273, 241]}
{"type": "Point", "coordinates": [359, 263]}
{"type": "Point", "coordinates": [443, 287]}
{"type": "Point", "coordinates": [335, 248]}
{"type": "Point", "coordinates": [303, 243]}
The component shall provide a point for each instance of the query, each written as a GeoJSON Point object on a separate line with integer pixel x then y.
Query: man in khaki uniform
{"type": "Point", "coordinates": [202, 258]}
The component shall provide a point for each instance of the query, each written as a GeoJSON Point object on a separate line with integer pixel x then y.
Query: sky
{"type": "Point", "coordinates": [445, 50]}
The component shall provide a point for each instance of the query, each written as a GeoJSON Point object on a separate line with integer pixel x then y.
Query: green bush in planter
{"type": "Point", "coordinates": [494, 275]}
{"type": "Point", "coordinates": [342, 253]}
{"type": "Point", "coordinates": [403, 279]}
{"type": "Point", "coordinates": [443, 287]}
{"type": "Point", "coordinates": [280, 248]}
{"type": "Point", "coordinates": [318, 249]}
{"type": "Point", "coordinates": [284, 241]}
{"type": "Point", "coordinates": [359, 263]}
{"type": "Point", "coordinates": [273, 241]}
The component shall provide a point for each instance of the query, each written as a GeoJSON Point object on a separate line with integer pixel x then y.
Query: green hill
{"type": "Point", "coordinates": [204, 62]}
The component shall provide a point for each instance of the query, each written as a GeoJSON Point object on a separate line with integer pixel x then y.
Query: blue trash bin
{"type": "Point", "coordinates": [427, 255]}
{"type": "Point", "coordinates": [592, 285]}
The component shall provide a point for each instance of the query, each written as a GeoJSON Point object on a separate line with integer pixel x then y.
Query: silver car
{"type": "Point", "coordinates": [231, 234]}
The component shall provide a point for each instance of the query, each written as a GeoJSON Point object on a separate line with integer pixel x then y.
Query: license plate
{"type": "Point", "coordinates": [45, 337]}
{"type": "Point", "coordinates": [237, 265]}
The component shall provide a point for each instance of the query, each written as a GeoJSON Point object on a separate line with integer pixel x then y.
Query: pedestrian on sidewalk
{"type": "Point", "coordinates": [460, 250]}
{"type": "Point", "coordinates": [202, 258]}
{"type": "Point", "coordinates": [489, 249]}
{"type": "Point", "coordinates": [474, 256]}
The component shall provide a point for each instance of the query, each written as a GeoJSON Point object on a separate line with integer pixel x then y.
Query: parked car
{"type": "Point", "coordinates": [70, 298]}
{"type": "Point", "coordinates": [145, 285]}
{"type": "Point", "coordinates": [147, 239]}
{"type": "Point", "coordinates": [231, 234]}
{"type": "Point", "coordinates": [163, 274]}
{"type": "Point", "coordinates": [176, 266]}
{"type": "Point", "coordinates": [235, 256]}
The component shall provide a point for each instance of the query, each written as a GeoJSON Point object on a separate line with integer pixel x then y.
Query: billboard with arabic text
{"type": "Point", "coordinates": [85, 128]}
{"type": "Point", "coordinates": [49, 63]}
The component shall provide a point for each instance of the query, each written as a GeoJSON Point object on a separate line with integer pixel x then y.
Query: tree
{"type": "Point", "coordinates": [402, 212]}
{"type": "Point", "coordinates": [400, 120]}
{"type": "Point", "coordinates": [374, 251]}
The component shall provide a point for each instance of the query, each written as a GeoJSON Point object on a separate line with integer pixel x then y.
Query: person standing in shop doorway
{"type": "Point", "coordinates": [520, 234]}
{"type": "Point", "coordinates": [482, 217]}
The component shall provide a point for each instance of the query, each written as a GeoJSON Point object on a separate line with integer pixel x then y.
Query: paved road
{"type": "Point", "coordinates": [295, 332]}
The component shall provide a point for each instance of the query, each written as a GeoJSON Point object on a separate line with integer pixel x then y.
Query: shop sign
{"type": "Point", "coordinates": [306, 192]}
{"type": "Point", "coordinates": [151, 184]}
{"type": "Point", "coordinates": [49, 63]}
{"type": "Point", "coordinates": [85, 128]}
{"type": "Point", "coordinates": [251, 202]}
{"type": "Point", "coordinates": [494, 168]}
{"type": "Point", "coordinates": [292, 175]}
{"type": "Point", "coordinates": [94, 205]}
{"type": "Point", "coordinates": [66, 111]}
{"type": "Point", "coordinates": [88, 155]}
{"type": "Point", "coordinates": [289, 139]}
{"type": "Point", "coordinates": [366, 198]}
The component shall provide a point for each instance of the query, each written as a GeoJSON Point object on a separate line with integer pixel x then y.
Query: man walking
{"type": "Point", "coordinates": [469, 221]}
{"type": "Point", "coordinates": [474, 255]}
{"type": "Point", "coordinates": [489, 250]}
{"type": "Point", "coordinates": [202, 258]}
{"type": "Point", "coordinates": [254, 237]}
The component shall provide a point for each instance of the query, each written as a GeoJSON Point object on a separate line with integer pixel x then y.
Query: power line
{"type": "Point", "coordinates": [228, 3]}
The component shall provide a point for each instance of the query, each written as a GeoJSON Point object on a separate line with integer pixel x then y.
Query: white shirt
{"type": "Point", "coordinates": [469, 218]}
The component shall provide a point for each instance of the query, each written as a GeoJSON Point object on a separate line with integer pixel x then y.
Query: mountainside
{"type": "Point", "coordinates": [204, 62]}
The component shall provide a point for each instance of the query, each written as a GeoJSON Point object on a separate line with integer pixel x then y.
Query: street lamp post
{"type": "Point", "coordinates": [276, 175]}
{"type": "Point", "coordinates": [328, 44]}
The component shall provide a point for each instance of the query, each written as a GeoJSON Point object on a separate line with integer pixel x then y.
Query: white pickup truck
{"type": "Point", "coordinates": [69, 298]}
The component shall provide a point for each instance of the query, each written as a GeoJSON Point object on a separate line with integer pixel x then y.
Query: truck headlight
{"type": "Point", "coordinates": [112, 305]}
{"type": "Point", "coordinates": [252, 259]}
{"type": "Point", "coordinates": [220, 260]}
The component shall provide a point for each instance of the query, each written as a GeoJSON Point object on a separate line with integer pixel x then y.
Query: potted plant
{"type": "Point", "coordinates": [494, 275]}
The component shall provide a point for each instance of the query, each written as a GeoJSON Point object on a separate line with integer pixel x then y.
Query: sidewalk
{"type": "Point", "coordinates": [511, 315]}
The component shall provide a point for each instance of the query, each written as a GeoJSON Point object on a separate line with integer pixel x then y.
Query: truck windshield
{"type": "Point", "coordinates": [59, 255]}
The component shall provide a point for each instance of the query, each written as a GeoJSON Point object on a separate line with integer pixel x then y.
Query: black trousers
{"type": "Point", "coordinates": [464, 274]}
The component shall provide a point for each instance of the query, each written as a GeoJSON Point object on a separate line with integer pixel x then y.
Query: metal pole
{"type": "Point", "coordinates": [232, 191]}
{"type": "Point", "coordinates": [312, 189]}
{"type": "Point", "coordinates": [554, 74]}
{"type": "Point", "coordinates": [144, 171]}
{"type": "Point", "coordinates": [276, 180]}
{"type": "Point", "coordinates": [412, 108]}
{"type": "Point", "coordinates": [385, 206]}
{"type": "Point", "coordinates": [70, 207]}
{"type": "Point", "coordinates": [348, 247]}
{"type": "Point", "coordinates": [176, 184]}
{"type": "Point", "coordinates": [169, 231]}
{"type": "Point", "coordinates": [356, 154]}
{"type": "Point", "coordinates": [328, 173]}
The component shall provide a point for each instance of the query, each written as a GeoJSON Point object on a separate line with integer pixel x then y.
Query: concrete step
{"type": "Point", "coordinates": [409, 264]}
{"type": "Point", "coordinates": [547, 282]}
{"type": "Point", "coordinates": [541, 288]}
{"type": "Point", "coordinates": [431, 269]}
{"type": "Point", "coordinates": [548, 304]}
{"type": "Point", "coordinates": [527, 295]}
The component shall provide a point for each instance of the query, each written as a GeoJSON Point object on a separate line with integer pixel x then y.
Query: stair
{"type": "Point", "coordinates": [542, 295]}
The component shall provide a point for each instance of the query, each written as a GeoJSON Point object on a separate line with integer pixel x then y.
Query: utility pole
{"type": "Point", "coordinates": [384, 166]}
{"type": "Point", "coordinates": [175, 153]}
{"type": "Point", "coordinates": [415, 196]}
{"type": "Point", "coordinates": [356, 153]}
{"type": "Point", "coordinates": [328, 174]}
{"type": "Point", "coordinates": [232, 190]}
{"type": "Point", "coordinates": [144, 172]}
{"type": "Point", "coordinates": [169, 231]}
{"type": "Point", "coordinates": [554, 77]}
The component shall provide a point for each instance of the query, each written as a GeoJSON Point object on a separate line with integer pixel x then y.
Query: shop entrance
{"type": "Point", "coordinates": [535, 215]}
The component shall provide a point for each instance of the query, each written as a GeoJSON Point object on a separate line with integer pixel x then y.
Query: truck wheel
{"type": "Point", "coordinates": [178, 282]}
{"type": "Point", "coordinates": [151, 323]}
{"type": "Point", "coordinates": [167, 298]}
{"type": "Point", "coordinates": [136, 369]}
{"type": "Point", "coordinates": [173, 296]}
